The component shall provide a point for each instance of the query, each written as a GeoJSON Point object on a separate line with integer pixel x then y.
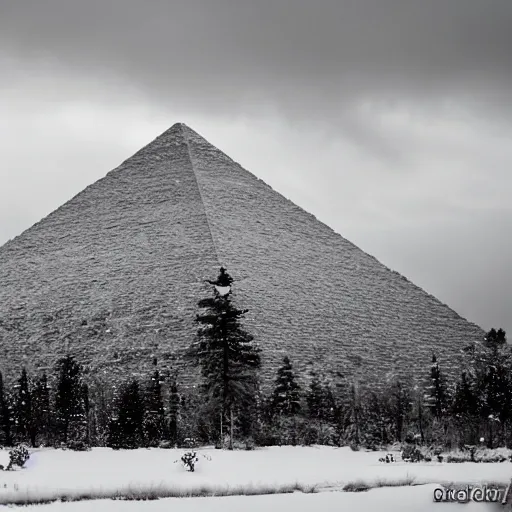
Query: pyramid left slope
{"type": "Point", "coordinates": [105, 258]}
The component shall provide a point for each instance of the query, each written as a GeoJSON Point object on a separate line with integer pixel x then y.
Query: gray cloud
{"type": "Point", "coordinates": [331, 50]}
{"type": "Point", "coordinates": [388, 119]}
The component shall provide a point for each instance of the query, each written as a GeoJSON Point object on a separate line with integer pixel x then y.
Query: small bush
{"type": "Point", "coordinates": [408, 480]}
{"type": "Point", "coordinates": [167, 445]}
{"type": "Point", "coordinates": [189, 442]}
{"type": "Point", "coordinates": [357, 486]}
{"type": "Point", "coordinates": [78, 446]}
{"type": "Point", "coordinates": [388, 458]}
{"type": "Point", "coordinates": [476, 455]}
{"type": "Point", "coordinates": [412, 454]}
{"type": "Point", "coordinates": [190, 459]}
{"type": "Point", "coordinates": [18, 456]}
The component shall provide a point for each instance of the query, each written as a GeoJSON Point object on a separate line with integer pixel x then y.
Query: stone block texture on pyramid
{"type": "Point", "coordinates": [114, 275]}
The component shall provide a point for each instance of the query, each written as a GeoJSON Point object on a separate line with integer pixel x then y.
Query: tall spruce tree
{"type": "Point", "coordinates": [127, 427]}
{"type": "Point", "coordinates": [154, 417]}
{"type": "Point", "coordinates": [437, 399]}
{"type": "Point", "coordinates": [228, 359]}
{"type": "Point", "coordinates": [374, 424]}
{"type": "Point", "coordinates": [71, 403]}
{"type": "Point", "coordinates": [320, 400]}
{"type": "Point", "coordinates": [24, 424]}
{"type": "Point", "coordinates": [286, 394]}
{"type": "Point", "coordinates": [5, 415]}
{"type": "Point", "coordinates": [490, 367]}
{"type": "Point", "coordinates": [465, 408]}
{"type": "Point", "coordinates": [41, 410]}
{"type": "Point", "coordinates": [495, 384]}
{"type": "Point", "coordinates": [418, 414]}
{"type": "Point", "coordinates": [400, 407]}
{"type": "Point", "coordinates": [174, 411]}
{"type": "Point", "coordinates": [355, 410]}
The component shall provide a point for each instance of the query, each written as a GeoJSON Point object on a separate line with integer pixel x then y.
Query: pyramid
{"type": "Point", "coordinates": [114, 276]}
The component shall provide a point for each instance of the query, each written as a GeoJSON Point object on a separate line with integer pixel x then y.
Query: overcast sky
{"type": "Point", "coordinates": [390, 120]}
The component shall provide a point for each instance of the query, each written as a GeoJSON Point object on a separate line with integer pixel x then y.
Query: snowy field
{"type": "Point", "coordinates": [55, 473]}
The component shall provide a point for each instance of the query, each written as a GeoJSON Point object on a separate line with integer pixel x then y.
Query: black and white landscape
{"type": "Point", "coordinates": [255, 254]}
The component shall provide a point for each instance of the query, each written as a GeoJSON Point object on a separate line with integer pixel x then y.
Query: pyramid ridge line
{"type": "Point", "coordinates": [191, 160]}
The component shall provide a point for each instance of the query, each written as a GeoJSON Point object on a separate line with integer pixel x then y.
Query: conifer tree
{"type": "Point", "coordinates": [128, 423]}
{"type": "Point", "coordinates": [355, 413]}
{"type": "Point", "coordinates": [491, 368]}
{"type": "Point", "coordinates": [418, 413]}
{"type": "Point", "coordinates": [374, 424]}
{"type": "Point", "coordinates": [286, 394]}
{"type": "Point", "coordinates": [224, 350]}
{"type": "Point", "coordinates": [495, 383]}
{"type": "Point", "coordinates": [23, 417]}
{"type": "Point", "coordinates": [400, 407]}
{"type": "Point", "coordinates": [320, 400]}
{"type": "Point", "coordinates": [436, 393]}
{"type": "Point", "coordinates": [71, 403]}
{"type": "Point", "coordinates": [41, 410]}
{"type": "Point", "coordinates": [495, 339]}
{"type": "Point", "coordinates": [465, 407]}
{"type": "Point", "coordinates": [100, 404]}
{"type": "Point", "coordinates": [5, 415]}
{"type": "Point", "coordinates": [154, 417]}
{"type": "Point", "coordinates": [174, 410]}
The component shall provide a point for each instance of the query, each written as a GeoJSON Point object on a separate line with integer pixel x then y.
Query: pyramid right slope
{"type": "Point", "coordinates": [312, 294]}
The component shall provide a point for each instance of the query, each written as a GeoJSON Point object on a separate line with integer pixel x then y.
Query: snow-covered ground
{"type": "Point", "coordinates": [403, 499]}
{"type": "Point", "coordinates": [53, 473]}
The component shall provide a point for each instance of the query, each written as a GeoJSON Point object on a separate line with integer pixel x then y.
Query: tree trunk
{"type": "Point", "coordinates": [420, 421]}
{"type": "Point", "coordinates": [221, 429]}
{"type": "Point", "coordinates": [231, 427]}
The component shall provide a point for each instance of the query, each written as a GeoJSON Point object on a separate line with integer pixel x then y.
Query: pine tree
{"type": "Point", "coordinates": [354, 414]}
{"type": "Point", "coordinates": [374, 424]}
{"type": "Point", "coordinates": [174, 410]}
{"type": "Point", "coordinates": [286, 394]}
{"type": "Point", "coordinates": [418, 411]}
{"type": "Point", "coordinates": [495, 339]}
{"type": "Point", "coordinates": [491, 368]}
{"type": "Point", "coordinates": [228, 359]}
{"type": "Point", "coordinates": [128, 423]}
{"type": "Point", "coordinates": [100, 402]}
{"type": "Point", "coordinates": [320, 400]}
{"type": "Point", "coordinates": [400, 407]}
{"type": "Point", "coordinates": [23, 417]}
{"type": "Point", "coordinates": [41, 410]}
{"type": "Point", "coordinates": [465, 407]}
{"type": "Point", "coordinates": [154, 417]}
{"type": "Point", "coordinates": [5, 416]}
{"type": "Point", "coordinates": [437, 399]}
{"type": "Point", "coordinates": [71, 403]}
{"type": "Point", "coordinates": [495, 384]}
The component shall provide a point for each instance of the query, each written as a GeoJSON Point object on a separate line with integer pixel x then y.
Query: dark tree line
{"type": "Point", "coordinates": [229, 409]}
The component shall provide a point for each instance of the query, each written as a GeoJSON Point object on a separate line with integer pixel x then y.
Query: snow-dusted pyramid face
{"type": "Point", "coordinates": [114, 275]}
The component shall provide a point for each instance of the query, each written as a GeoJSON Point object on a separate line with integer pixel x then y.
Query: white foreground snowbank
{"type": "Point", "coordinates": [53, 473]}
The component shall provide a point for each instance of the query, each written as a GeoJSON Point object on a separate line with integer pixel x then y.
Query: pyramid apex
{"type": "Point", "coordinates": [179, 125]}
{"type": "Point", "coordinates": [180, 128]}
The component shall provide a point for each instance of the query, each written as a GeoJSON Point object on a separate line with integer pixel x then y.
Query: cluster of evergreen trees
{"type": "Point", "coordinates": [229, 407]}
